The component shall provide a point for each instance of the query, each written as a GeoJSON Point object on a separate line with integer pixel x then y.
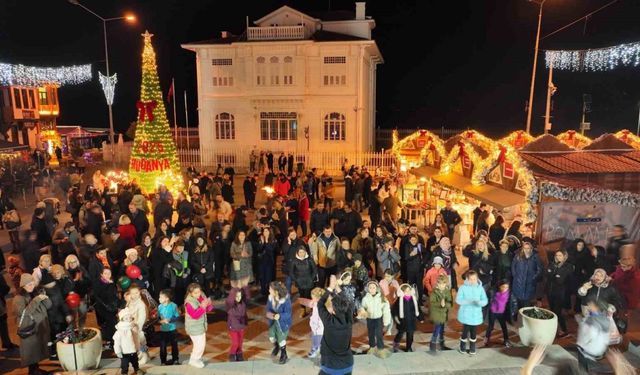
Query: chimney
{"type": "Point", "coordinates": [224, 34]}
{"type": "Point", "coordinates": [360, 10]}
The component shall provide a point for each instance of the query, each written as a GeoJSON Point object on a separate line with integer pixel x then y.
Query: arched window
{"type": "Point", "coordinates": [334, 127]}
{"type": "Point", "coordinates": [261, 75]}
{"type": "Point", "coordinates": [288, 71]}
{"type": "Point", "coordinates": [274, 68]}
{"type": "Point", "coordinates": [225, 126]}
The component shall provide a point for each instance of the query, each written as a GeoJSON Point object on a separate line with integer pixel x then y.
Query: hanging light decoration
{"type": "Point", "coordinates": [590, 60]}
{"type": "Point", "coordinates": [22, 75]}
{"type": "Point", "coordinates": [108, 86]}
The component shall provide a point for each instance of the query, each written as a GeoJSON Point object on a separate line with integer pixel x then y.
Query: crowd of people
{"type": "Point", "coordinates": [146, 262]}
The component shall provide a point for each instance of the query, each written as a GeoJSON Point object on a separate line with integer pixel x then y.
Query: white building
{"type": "Point", "coordinates": [294, 82]}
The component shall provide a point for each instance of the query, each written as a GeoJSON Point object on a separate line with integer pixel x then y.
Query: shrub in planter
{"type": "Point", "coordinates": [538, 326]}
{"type": "Point", "coordinates": [88, 348]}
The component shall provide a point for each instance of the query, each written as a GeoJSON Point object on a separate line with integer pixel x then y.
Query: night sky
{"type": "Point", "coordinates": [458, 64]}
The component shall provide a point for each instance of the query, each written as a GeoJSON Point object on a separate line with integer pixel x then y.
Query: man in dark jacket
{"type": "Point", "coordinates": [348, 188]}
{"type": "Point", "coordinates": [39, 226]}
{"type": "Point", "coordinates": [94, 221]}
{"type": "Point", "coordinates": [288, 249]}
{"type": "Point", "coordinates": [139, 220]}
{"type": "Point", "coordinates": [319, 218]}
{"type": "Point", "coordinates": [451, 217]}
{"type": "Point", "coordinates": [350, 223]}
{"type": "Point", "coordinates": [415, 256]}
{"type": "Point", "coordinates": [163, 211]}
{"type": "Point", "coordinates": [248, 186]}
{"type": "Point", "coordinates": [335, 348]}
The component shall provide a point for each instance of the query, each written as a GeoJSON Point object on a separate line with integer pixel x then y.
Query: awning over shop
{"type": "Point", "coordinates": [8, 147]}
{"type": "Point", "coordinates": [492, 195]}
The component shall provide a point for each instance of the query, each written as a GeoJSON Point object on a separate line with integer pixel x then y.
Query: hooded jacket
{"type": "Point", "coordinates": [324, 256]}
{"type": "Point", "coordinates": [438, 313]}
{"type": "Point", "coordinates": [471, 299]}
{"type": "Point", "coordinates": [526, 272]}
{"type": "Point", "coordinates": [126, 339]}
{"type": "Point", "coordinates": [335, 348]}
{"type": "Point", "coordinates": [627, 283]}
{"type": "Point", "coordinates": [282, 307]}
{"type": "Point", "coordinates": [603, 292]}
{"type": "Point", "coordinates": [236, 311]}
{"type": "Point", "coordinates": [376, 306]}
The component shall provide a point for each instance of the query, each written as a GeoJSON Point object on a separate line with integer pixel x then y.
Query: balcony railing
{"type": "Point", "coordinates": [275, 33]}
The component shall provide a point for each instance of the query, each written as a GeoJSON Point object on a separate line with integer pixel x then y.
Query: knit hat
{"type": "Point", "coordinates": [25, 279]}
{"type": "Point", "coordinates": [438, 260]}
{"type": "Point", "coordinates": [130, 251]}
{"type": "Point", "coordinates": [357, 257]}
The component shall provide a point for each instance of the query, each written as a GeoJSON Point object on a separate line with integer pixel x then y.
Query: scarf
{"type": "Point", "coordinates": [105, 281]}
{"type": "Point", "coordinates": [407, 297]}
{"type": "Point", "coordinates": [103, 260]}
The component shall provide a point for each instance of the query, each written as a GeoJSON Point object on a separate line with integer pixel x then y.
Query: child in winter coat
{"type": "Point", "coordinates": [405, 313]}
{"type": "Point", "coordinates": [375, 308]}
{"type": "Point", "coordinates": [317, 328]}
{"type": "Point", "coordinates": [348, 289]}
{"type": "Point", "coordinates": [471, 297]}
{"type": "Point", "coordinates": [503, 308]}
{"type": "Point", "coordinates": [236, 304]}
{"type": "Point", "coordinates": [359, 273]}
{"type": "Point", "coordinates": [196, 306]}
{"type": "Point", "coordinates": [126, 343]}
{"type": "Point", "coordinates": [139, 311]}
{"type": "Point", "coordinates": [439, 306]}
{"type": "Point", "coordinates": [433, 274]}
{"type": "Point", "coordinates": [15, 271]}
{"type": "Point", "coordinates": [168, 314]}
{"type": "Point", "coordinates": [279, 316]}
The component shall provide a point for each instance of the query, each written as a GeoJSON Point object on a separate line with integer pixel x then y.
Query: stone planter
{"type": "Point", "coordinates": [537, 331]}
{"type": "Point", "coordinates": [88, 353]}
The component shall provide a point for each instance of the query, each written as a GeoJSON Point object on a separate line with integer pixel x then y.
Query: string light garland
{"type": "Point", "coordinates": [154, 158]}
{"type": "Point", "coordinates": [589, 195]}
{"type": "Point", "coordinates": [574, 139]}
{"type": "Point", "coordinates": [22, 75]}
{"type": "Point", "coordinates": [590, 60]}
{"type": "Point", "coordinates": [629, 138]}
{"type": "Point", "coordinates": [108, 86]}
{"type": "Point", "coordinates": [517, 139]}
{"type": "Point", "coordinates": [432, 142]}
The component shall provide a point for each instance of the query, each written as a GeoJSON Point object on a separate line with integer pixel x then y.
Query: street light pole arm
{"type": "Point", "coordinates": [89, 10]}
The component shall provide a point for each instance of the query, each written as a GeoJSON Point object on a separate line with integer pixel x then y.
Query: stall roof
{"type": "Point", "coordinates": [6, 146]}
{"type": "Point", "coordinates": [585, 162]}
{"type": "Point", "coordinates": [80, 132]}
{"type": "Point", "coordinates": [492, 195]}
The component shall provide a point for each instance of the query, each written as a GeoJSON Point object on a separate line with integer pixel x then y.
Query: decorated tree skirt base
{"type": "Point", "coordinates": [88, 353]}
{"type": "Point", "coordinates": [538, 326]}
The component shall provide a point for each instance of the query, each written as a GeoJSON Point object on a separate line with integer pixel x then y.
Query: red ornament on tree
{"type": "Point", "coordinates": [133, 271]}
{"type": "Point", "coordinates": [73, 300]}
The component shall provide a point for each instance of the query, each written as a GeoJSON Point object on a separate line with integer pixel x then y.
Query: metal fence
{"type": "Point", "coordinates": [239, 159]}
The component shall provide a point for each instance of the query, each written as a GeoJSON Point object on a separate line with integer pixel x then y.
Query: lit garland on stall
{"type": "Point", "coordinates": [467, 137]}
{"type": "Point", "coordinates": [595, 59]}
{"type": "Point", "coordinates": [517, 139]}
{"type": "Point", "coordinates": [629, 138]}
{"type": "Point", "coordinates": [21, 75]}
{"type": "Point", "coordinates": [432, 142]}
{"type": "Point", "coordinates": [574, 139]}
{"type": "Point", "coordinates": [435, 143]}
{"type": "Point", "coordinates": [154, 159]}
{"type": "Point", "coordinates": [589, 195]}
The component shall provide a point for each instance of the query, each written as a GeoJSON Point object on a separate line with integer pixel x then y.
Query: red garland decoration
{"type": "Point", "coordinates": [571, 134]}
{"type": "Point", "coordinates": [625, 136]}
{"type": "Point", "coordinates": [461, 145]}
{"type": "Point", "coordinates": [469, 134]}
{"type": "Point", "coordinates": [503, 154]}
{"type": "Point", "coordinates": [146, 109]}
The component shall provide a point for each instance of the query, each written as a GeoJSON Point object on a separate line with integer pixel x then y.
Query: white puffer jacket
{"type": "Point", "coordinates": [126, 340]}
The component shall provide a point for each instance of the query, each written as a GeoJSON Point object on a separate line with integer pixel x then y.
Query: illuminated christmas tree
{"type": "Point", "coordinates": [154, 159]}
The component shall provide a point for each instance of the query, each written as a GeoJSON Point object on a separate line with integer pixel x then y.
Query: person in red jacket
{"type": "Point", "coordinates": [127, 230]}
{"type": "Point", "coordinates": [626, 278]}
{"type": "Point", "coordinates": [303, 210]}
{"type": "Point", "coordinates": [282, 185]}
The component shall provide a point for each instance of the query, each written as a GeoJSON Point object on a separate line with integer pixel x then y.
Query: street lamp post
{"type": "Point", "coordinates": [129, 18]}
{"type": "Point", "coordinates": [535, 63]}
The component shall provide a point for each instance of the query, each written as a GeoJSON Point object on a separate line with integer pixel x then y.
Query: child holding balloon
{"type": "Point", "coordinates": [135, 268]}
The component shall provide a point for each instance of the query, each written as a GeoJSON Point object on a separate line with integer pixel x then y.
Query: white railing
{"type": "Point", "coordinates": [275, 32]}
{"type": "Point", "coordinates": [208, 159]}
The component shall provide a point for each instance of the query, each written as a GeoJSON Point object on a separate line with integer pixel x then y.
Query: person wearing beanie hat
{"type": "Point", "coordinates": [29, 310]}
{"type": "Point", "coordinates": [126, 343]}
{"type": "Point", "coordinates": [133, 259]}
{"type": "Point", "coordinates": [430, 278]}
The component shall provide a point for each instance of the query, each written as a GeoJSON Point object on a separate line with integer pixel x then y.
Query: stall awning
{"type": "Point", "coordinates": [492, 195]}
{"type": "Point", "coordinates": [8, 147]}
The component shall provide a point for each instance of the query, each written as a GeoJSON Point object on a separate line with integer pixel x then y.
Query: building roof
{"type": "Point", "coordinates": [608, 142]}
{"type": "Point", "coordinates": [333, 15]}
{"type": "Point", "coordinates": [584, 162]}
{"type": "Point", "coordinates": [318, 36]}
{"type": "Point", "coordinates": [6, 146]}
{"type": "Point", "coordinates": [451, 142]}
{"type": "Point", "coordinates": [330, 36]}
{"type": "Point", "coordinates": [546, 142]}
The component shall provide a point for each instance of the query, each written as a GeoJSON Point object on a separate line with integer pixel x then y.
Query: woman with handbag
{"type": "Point", "coordinates": [32, 324]}
{"type": "Point", "coordinates": [241, 254]}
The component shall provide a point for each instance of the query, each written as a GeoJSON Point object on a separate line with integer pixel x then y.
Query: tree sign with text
{"type": "Point", "coordinates": [154, 155]}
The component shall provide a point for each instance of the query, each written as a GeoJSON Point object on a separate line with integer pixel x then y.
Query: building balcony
{"type": "Point", "coordinates": [275, 33]}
